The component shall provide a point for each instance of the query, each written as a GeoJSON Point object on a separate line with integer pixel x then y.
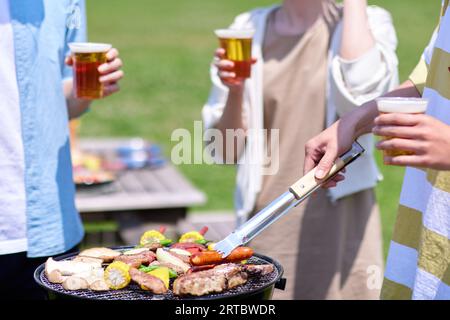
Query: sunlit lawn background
{"type": "Point", "coordinates": [167, 47]}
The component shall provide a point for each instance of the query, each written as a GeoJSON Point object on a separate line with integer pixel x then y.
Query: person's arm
{"type": "Point", "coordinates": [323, 150]}
{"type": "Point", "coordinates": [232, 116]}
{"type": "Point", "coordinates": [357, 38]}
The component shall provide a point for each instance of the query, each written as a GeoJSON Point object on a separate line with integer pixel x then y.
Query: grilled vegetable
{"type": "Point", "coordinates": [148, 269]}
{"type": "Point", "coordinates": [161, 273]}
{"type": "Point", "coordinates": [117, 275]}
{"type": "Point", "coordinates": [165, 256]}
{"type": "Point", "coordinates": [154, 237]}
{"type": "Point", "coordinates": [194, 236]}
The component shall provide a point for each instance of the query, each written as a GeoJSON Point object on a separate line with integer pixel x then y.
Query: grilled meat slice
{"type": "Point", "coordinates": [218, 279]}
{"type": "Point", "coordinates": [135, 260]}
{"type": "Point", "coordinates": [258, 269]}
{"type": "Point", "coordinates": [105, 254]}
{"type": "Point", "coordinates": [147, 281]}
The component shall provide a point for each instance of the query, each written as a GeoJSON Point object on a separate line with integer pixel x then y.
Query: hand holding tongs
{"type": "Point", "coordinates": [297, 193]}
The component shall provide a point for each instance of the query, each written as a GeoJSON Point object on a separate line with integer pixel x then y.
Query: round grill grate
{"type": "Point", "coordinates": [134, 292]}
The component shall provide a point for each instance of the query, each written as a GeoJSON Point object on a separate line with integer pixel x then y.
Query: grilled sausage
{"type": "Point", "coordinates": [213, 257]}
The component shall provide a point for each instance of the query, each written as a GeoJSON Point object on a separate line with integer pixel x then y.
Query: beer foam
{"type": "Point", "coordinates": [87, 47]}
{"type": "Point", "coordinates": [234, 33]}
{"type": "Point", "coordinates": [402, 105]}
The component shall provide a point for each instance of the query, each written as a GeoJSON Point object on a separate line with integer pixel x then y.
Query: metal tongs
{"type": "Point", "coordinates": [297, 193]}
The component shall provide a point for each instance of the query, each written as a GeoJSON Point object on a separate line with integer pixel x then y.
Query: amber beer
{"type": "Point", "coordinates": [238, 48]}
{"type": "Point", "coordinates": [87, 57]}
{"type": "Point", "coordinates": [401, 105]}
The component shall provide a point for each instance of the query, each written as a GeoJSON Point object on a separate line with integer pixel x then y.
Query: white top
{"type": "Point", "coordinates": [350, 83]}
{"type": "Point", "coordinates": [12, 188]}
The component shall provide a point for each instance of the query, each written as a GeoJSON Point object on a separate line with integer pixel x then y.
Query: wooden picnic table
{"type": "Point", "coordinates": [139, 199]}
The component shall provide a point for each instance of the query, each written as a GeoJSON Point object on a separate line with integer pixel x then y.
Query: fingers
{"type": "Point", "coordinates": [415, 146]}
{"type": "Point", "coordinates": [326, 163]}
{"type": "Point", "coordinates": [220, 53]}
{"type": "Point", "coordinates": [110, 67]}
{"type": "Point", "coordinates": [398, 119]}
{"type": "Point", "coordinates": [112, 54]}
{"type": "Point", "coordinates": [69, 60]}
{"type": "Point", "coordinates": [333, 182]}
{"type": "Point", "coordinates": [405, 132]}
{"type": "Point", "coordinates": [110, 89]}
{"type": "Point", "coordinates": [224, 65]}
{"type": "Point", "coordinates": [112, 77]}
{"type": "Point", "coordinates": [411, 161]}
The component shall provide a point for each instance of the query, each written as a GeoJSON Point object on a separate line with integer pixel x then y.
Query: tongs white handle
{"type": "Point", "coordinates": [309, 182]}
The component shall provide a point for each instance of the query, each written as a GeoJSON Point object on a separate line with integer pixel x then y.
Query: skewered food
{"type": "Point", "coordinates": [213, 257]}
{"type": "Point", "coordinates": [148, 281]}
{"type": "Point", "coordinates": [117, 275]}
{"type": "Point", "coordinates": [194, 236]}
{"type": "Point", "coordinates": [216, 280]}
{"type": "Point", "coordinates": [105, 254]}
{"type": "Point", "coordinates": [154, 239]}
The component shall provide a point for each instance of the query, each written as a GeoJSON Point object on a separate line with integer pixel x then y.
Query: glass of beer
{"type": "Point", "coordinates": [238, 48]}
{"type": "Point", "coordinates": [87, 57]}
{"type": "Point", "coordinates": [401, 105]}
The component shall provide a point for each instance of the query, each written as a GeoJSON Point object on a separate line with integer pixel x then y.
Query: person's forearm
{"type": "Point", "coordinates": [364, 116]}
{"type": "Point", "coordinates": [232, 119]}
{"type": "Point", "coordinates": [75, 107]}
{"type": "Point", "coordinates": [357, 38]}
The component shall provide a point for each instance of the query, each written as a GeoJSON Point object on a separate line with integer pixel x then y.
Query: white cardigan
{"type": "Point", "coordinates": [350, 83]}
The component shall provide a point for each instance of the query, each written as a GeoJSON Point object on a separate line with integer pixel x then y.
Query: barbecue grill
{"type": "Point", "coordinates": [256, 287]}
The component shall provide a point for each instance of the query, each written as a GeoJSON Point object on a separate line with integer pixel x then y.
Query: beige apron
{"type": "Point", "coordinates": [324, 247]}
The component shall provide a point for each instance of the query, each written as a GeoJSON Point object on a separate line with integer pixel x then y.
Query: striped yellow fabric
{"type": "Point", "coordinates": [418, 264]}
{"type": "Point", "coordinates": [395, 291]}
{"type": "Point", "coordinates": [419, 75]}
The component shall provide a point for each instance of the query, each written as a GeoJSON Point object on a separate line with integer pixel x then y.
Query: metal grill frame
{"type": "Point", "coordinates": [133, 292]}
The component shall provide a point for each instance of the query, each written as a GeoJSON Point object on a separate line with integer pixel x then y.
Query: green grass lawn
{"type": "Point", "coordinates": [167, 47]}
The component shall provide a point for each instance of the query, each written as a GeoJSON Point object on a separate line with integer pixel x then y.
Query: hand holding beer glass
{"type": "Point", "coordinates": [96, 69]}
{"type": "Point", "coordinates": [402, 106]}
{"type": "Point", "coordinates": [235, 55]}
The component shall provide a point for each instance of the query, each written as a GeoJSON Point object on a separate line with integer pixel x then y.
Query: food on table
{"type": "Point", "coordinates": [117, 275]}
{"type": "Point", "coordinates": [197, 269]}
{"type": "Point", "coordinates": [136, 260]}
{"type": "Point", "coordinates": [154, 239]}
{"type": "Point", "coordinates": [105, 254]}
{"type": "Point", "coordinates": [216, 280]}
{"type": "Point", "coordinates": [213, 257]}
{"type": "Point", "coordinates": [148, 282]}
{"type": "Point", "coordinates": [165, 256]}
